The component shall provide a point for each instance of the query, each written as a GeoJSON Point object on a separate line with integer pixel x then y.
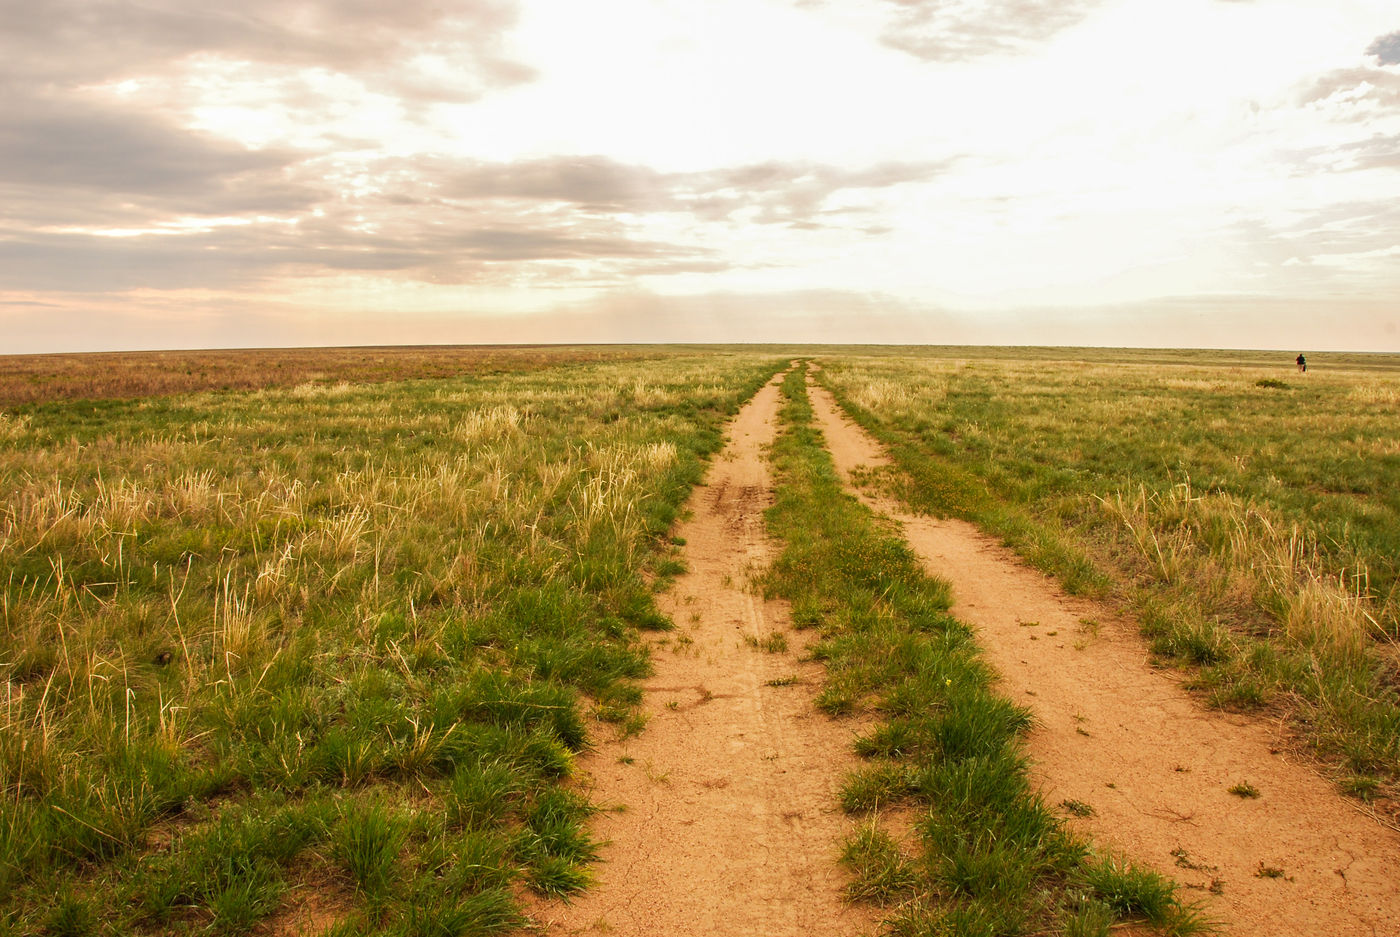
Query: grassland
{"type": "Point", "coordinates": [317, 645]}
{"type": "Point", "coordinates": [324, 653]}
{"type": "Point", "coordinates": [987, 857]}
{"type": "Point", "coordinates": [115, 375]}
{"type": "Point", "coordinates": [1248, 514]}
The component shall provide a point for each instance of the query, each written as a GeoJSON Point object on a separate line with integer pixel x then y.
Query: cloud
{"type": "Point", "coordinates": [86, 263]}
{"type": "Point", "coordinates": [1355, 227]}
{"type": "Point", "coordinates": [67, 163]}
{"type": "Point", "coordinates": [244, 256]}
{"type": "Point", "coordinates": [1344, 249]}
{"type": "Point", "coordinates": [794, 193]}
{"type": "Point", "coordinates": [1365, 103]}
{"type": "Point", "coordinates": [1355, 89]}
{"type": "Point", "coordinates": [960, 30]}
{"type": "Point", "coordinates": [782, 192]}
{"type": "Point", "coordinates": [436, 220]}
{"type": "Point", "coordinates": [78, 151]}
{"type": "Point", "coordinates": [1376, 151]}
{"type": "Point", "coordinates": [80, 147]}
{"type": "Point", "coordinates": [1386, 49]}
{"type": "Point", "coordinates": [65, 43]}
{"type": "Point", "coordinates": [1379, 152]}
{"type": "Point", "coordinates": [106, 189]}
{"type": "Point", "coordinates": [103, 189]}
{"type": "Point", "coordinates": [74, 146]}
{"type": "Point", "coordinates": [595, 183]}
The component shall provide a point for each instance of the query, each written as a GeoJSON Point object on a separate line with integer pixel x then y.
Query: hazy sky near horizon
{"type": "Point", "coordinates": [303, 172]}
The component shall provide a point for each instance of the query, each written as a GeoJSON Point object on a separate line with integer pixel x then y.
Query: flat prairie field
{"type": "Point", "coordinates": [337, 641]}
{"type": "Point", "coordinates": [109, 375]}
{"type": "Point", "coordinates": [247, 636]}
{"type": "Point", "coordinates": [1248, 513]}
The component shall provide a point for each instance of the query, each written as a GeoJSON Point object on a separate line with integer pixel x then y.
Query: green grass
{"type": "Point", "coordinates": [344, 637]}
{"type": "Point", "coordinates": [773, 643]}
{"type": "Point", "coordinates": [989, 856]}
{"type": "Point", "coordinates": [883, 874]}
{"type": "Point", "coordinates": [367, 842]}
{"type": "Point", "coordinates": [1255, 533]}
{"type": "Point", "coordinates": [350, 638]}
{"type": "Point", "coordinates": [1077, 808]}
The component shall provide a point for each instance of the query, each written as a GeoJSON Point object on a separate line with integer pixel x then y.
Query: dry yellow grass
{"type": "Point", "coordinates": [312, 371]}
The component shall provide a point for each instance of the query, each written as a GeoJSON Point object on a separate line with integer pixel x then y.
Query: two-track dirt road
{"type": "Point", "coordinates": [728, 822]}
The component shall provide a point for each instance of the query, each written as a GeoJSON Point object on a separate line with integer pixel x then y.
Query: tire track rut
{"type": "Point", "coordinates": [1126, 742]}
{"type": "Point", "coordinates": [731, 824]}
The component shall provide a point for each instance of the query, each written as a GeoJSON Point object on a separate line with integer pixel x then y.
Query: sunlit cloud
{"type": "Point", "coordinates": [942, 31]}
{"type": "Point", "coordinates": [974, 170]}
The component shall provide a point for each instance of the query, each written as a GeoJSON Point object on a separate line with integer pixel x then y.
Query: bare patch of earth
{"type": "Point", "coordinates": [1148, 767]}
{"type": "Point", "coordinates": [727, 821]}
{"type": "Point", "coordinates": [312, 907]}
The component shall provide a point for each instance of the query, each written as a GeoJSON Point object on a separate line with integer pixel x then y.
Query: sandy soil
{"type": "Point", "coordinates": [1125, 739]}
{"type": "Point", "coordinates": [730, 824]}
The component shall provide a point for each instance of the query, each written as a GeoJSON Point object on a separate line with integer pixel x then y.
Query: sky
{"type": "Point", "coordinates": [1199, 173]}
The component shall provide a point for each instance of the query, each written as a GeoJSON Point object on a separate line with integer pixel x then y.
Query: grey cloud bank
{"type": "Point", "coordinates": [75, 42]}
{"type": "Point", "coordinates": [1386, 49]}
{"type": "Point", "coordinates": [450, 221]}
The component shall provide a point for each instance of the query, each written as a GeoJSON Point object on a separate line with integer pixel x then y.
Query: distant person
{"type": "Point", "coordinates": [1302, 362]}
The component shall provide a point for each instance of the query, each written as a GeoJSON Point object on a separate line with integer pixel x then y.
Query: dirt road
{"type": "Point", "coordinates": [1118, 738]}
{"type": "Point", "coordinates": [730, 824]}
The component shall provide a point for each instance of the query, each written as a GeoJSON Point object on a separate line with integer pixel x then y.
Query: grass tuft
{"type": "Point", "coordinates": [882, 873]}
{"type": "Point", "coordinates": [366, 841]}
{"type": "Point", "coordinates": [1244, 790]}
{"type": "Point", "coordinates": [1132, 892]}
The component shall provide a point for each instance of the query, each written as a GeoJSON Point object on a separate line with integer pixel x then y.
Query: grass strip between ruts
{"type": "Point", "coordinates": [986, 856]}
